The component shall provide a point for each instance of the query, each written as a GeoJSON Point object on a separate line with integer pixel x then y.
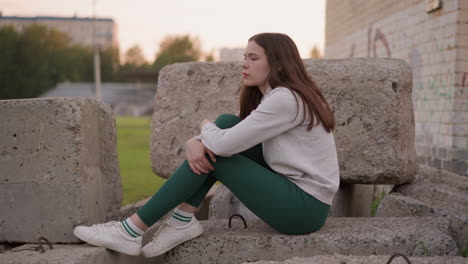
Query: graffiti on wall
{"type": "Point", "coordinates": [464, 82]}
{"type": "Point", "coordinates": [376, 40]}
{"type": "Point", "coordinates": [432, 94]}
{"type": "Point", "coordinates": [379, 39]}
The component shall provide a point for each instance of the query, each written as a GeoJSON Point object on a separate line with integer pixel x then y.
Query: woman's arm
{"type": "Point", "coordinates": [272, 117]}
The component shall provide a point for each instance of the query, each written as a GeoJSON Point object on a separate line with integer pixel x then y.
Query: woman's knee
{"type": "Point", "coordinates": [227, 121]}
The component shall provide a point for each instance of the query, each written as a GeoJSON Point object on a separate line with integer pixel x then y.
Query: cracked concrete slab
{"type": "Point", "coordinates": [327, 259]}
{"type": "Point", "coordinates": [413, 236]}
{"type": "Point", "coordinates": [66, 254]}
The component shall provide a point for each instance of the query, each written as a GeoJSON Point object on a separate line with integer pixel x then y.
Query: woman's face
{"type": "Point", "coordinates": [255, 68]}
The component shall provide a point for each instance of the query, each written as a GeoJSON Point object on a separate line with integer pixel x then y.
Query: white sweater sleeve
{"type": "Point", "coordinates": [273, 116]}
{"type": "Point", "coordinates": [199, 136]}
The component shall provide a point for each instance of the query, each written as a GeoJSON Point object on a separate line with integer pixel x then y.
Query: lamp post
{"type": "Point", "coordinates": [97, 59]}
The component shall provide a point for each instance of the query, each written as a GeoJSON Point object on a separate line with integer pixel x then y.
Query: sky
{"type": "Point", "coordinates": [217, 23]}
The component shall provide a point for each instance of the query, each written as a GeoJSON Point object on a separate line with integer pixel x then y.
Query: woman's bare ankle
{"type": "Point", "coordinates": [138, 222]}
{"type": "Point", "coordinates": [187, 208]}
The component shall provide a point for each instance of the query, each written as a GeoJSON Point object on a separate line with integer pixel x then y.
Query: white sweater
{"type": "Point", "coordinates": [307, 158]}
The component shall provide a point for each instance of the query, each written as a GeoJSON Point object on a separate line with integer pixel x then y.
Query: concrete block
{"type": "Point", "coordinates": [67, 254]}
{"type": "Point", "coordinates": [459, 231]}
{"type": "Point", "coordinates": [371, 99]}
{"type": "Point", "coordinates": [395, 204]}
{"type": "Point", "coordinates": [433, 193]}
{"type": "Point", "coordinates": [224, 204]}
{"type": "Point", "coordinates": [412, 236]}
{"type": "Point", "coordinates": [58, 168]}
{"type": "Point", "coordinates": [367, 259]}
{"type": "Point", "coordinates": [188, 93]}
{"type": "Point", "coordinates": [353, 200]}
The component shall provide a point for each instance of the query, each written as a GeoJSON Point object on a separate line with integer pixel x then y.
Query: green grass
{"type": "Point", "coordinates": [375, 203]}
{"type": "Point", "coordinates": [138, 179]}
{"type": "Point", "coordinates": [465, 251]}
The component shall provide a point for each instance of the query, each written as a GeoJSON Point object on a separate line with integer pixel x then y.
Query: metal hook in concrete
{"type": "Point", "coordinates": [240, 216]}
{"type": "Point", "coordinates": [40, 247]}
{"type": "Point", "coordinates": [396, 255]}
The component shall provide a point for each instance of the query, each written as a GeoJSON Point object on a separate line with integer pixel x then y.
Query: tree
{"type": "Point", "coordinates": [315, 53]}
{"type": "Point", "coordinates": [136, 68]}
{"type": "Point", "coordinates": [177, 49]}
{"type": "Point", "coordinates": [36, 59]}
{"type": "Point", "coordinates": [8, 45]}
{"type": "Point", "coordinates": [109, 63]}
{"type": "Point", "coordinates": [134, 56]}
{"type": "Point", "coordinates": [36, 66]}
{"type": "Point", "coordinates": [209, 57]}
{"type": "Point", "coordinates": [78, 64]}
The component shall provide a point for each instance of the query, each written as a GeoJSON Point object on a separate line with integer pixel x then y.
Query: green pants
{"type": "Point", "coordinates": [271, 196]}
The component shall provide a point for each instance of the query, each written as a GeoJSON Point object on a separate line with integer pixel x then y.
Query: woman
{"type": "Point", "coordinates": [278, 157]}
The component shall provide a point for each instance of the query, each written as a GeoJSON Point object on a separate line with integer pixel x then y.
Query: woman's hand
{"type": "Point", "coordinates": [195, 154]}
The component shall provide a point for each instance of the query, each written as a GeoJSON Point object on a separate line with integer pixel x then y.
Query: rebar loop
{"type": "Point", "coordinates": [396, 255]}
{"type": "Point", "coordinates": [240, 216]}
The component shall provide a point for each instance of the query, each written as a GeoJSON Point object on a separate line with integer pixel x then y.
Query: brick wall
{"type": "Point", "coordinates": [435, 44]}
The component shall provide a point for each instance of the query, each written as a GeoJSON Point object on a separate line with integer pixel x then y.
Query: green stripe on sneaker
{"type": "Point", "coordinates": [129, 229]}
{"type": "Point", "coordinates": [181, 216]}
{"type": "Point", "coordinates": [180, 219]}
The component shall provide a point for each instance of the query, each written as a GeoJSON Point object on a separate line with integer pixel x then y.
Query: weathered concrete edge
{"type": "Point", "coordinates": [374, 259]}
{"type": "Point", "coordinates": [67, 254]}
{"type": "Point", "coordinates": [220, 244]}
{"type": "Point", "coordinates": [405, 166]}
{"type": "Point", "coordinates": [458, 224]}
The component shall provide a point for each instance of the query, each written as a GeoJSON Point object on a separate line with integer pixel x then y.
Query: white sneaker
{"type": "Point", "coordinates": [109, 235]}
{"type": "Point", "coordinates": [168, 236]}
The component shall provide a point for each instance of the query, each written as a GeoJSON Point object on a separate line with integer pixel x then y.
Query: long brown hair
{"type": "Point", "coordinates": [287, 70]}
